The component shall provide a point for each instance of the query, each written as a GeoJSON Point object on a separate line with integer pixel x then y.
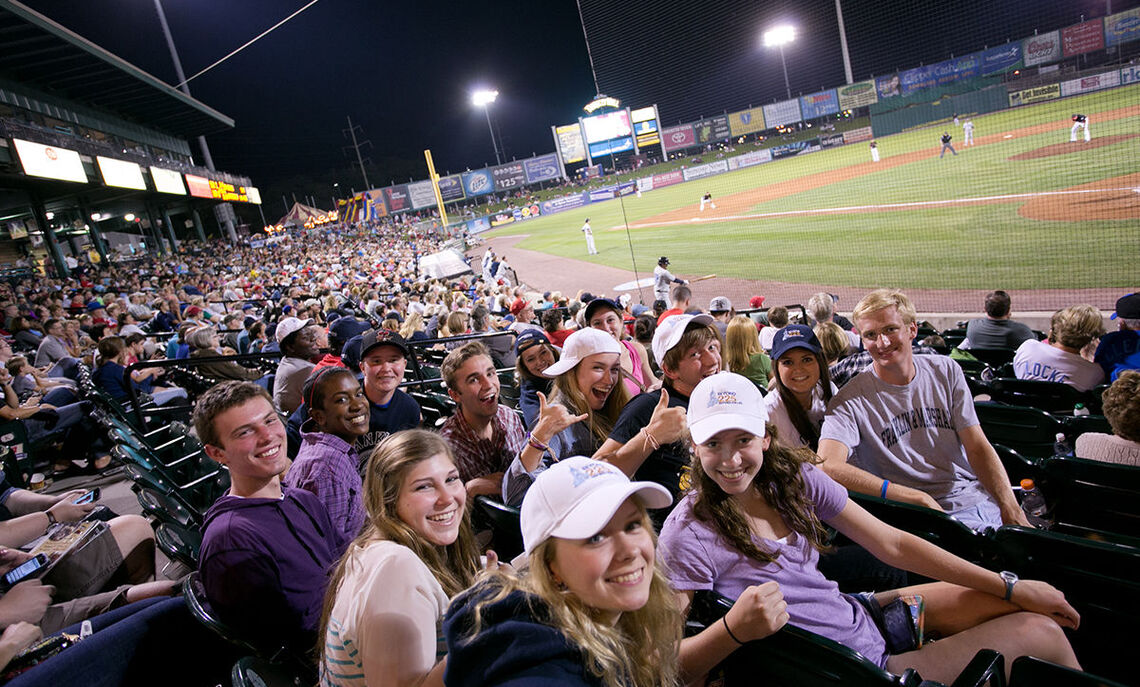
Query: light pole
{"type": "Point", "coordinates": [484, 98]}
{"type": "Point", "coordinates": [779, 37]}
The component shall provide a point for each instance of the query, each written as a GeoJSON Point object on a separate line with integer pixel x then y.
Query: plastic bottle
{"type": "Point", "coordinates": [1079, 410]}
{"type": "Point", "coordinates": [1033, 503]}
{"type": "Point", "coordinates": [1061, 446]}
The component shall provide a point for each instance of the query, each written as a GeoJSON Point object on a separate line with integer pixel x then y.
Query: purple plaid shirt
{"type": "Point", "coordinates": [326, 467]}
{"type": "Point", "coordinates": [476, 456]}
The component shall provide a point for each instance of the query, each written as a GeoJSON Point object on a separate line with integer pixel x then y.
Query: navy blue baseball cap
{"type": "Point", "coordinates": [794, 336]}
{"type": "Point", "coordinates": [529, 338]}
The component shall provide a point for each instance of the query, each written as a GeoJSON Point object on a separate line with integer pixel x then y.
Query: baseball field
{"type": "Point", "coordinates": [1022, 209]}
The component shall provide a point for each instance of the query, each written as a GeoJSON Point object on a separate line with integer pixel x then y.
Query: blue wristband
{"type": "Point", "coordinates": [883, 493]}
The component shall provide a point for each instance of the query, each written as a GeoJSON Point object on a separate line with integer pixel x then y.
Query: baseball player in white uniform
{"type": "Point", "coordinates": [968, 133]}
{"type": "Point", "coordinates": [1080, 121]}
{"type": "Point", "coordinates": [590, 248]}
{"type": "Point", "coordinates": [662, 279]}
{"type": "Point", "coordinates": [874, 151]}
{"type": "Point", "coordinates": [707, 199]}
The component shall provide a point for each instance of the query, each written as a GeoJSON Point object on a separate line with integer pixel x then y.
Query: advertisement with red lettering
{"type": "Point", "coordinates": [677, 137]}
{"type": "Point", "coordinates": [1084, 37]}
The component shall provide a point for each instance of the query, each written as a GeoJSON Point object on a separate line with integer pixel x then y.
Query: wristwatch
{"type": "Point", "coordinates": [1010, 579]}
{"type": "Point", "coordinates": [50, 517]}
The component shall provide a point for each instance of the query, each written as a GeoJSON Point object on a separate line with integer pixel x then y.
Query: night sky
{"type": "Point", "coordinates": [403, 71]}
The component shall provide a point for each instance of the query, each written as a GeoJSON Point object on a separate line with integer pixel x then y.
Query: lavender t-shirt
{"type": "Point", "coordinates": [698, 557]}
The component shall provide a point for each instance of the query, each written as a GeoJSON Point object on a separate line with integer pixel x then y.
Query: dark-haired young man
{"type": "Point", "coordinates": [996, 330]}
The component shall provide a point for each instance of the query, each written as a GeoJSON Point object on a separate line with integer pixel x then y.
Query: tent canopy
{"type": "Point", "coordinates": [300, 214]}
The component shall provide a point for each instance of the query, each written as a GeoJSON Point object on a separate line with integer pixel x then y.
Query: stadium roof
{"type": "Point", "coordinates": [41, 53]}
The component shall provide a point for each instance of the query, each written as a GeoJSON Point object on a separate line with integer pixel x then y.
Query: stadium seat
{"type": "Point", "coordinates": [934, 526]}
{"type": "Point", "coordinates": [194, 595]}
{"type": "Point", "coordinates": [794, 656]}
{"type": "Point", "coordinates": [1092, 495]}
{"type": "Point", "coordinates": [1029, 431]}
{"type": "Point", "coordinates": [180, 544]}
{"type": "Point", "coordinates": [503, 521]}
{"type": "Point", "coordinates": [1017, 466]}
{"type": "Point", "coordinates": [994, 357]}
{"type": "Point", "coordinates": [252, 671]}
{"type": "Point", "coordinates": [1029, 671]}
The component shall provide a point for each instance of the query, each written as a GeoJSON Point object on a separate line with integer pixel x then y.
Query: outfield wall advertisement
{"type": "Point", "coordinates": [746, 121]}
{"type": "Point", "coordinates": [1130, 75]}
{"type": "Point", "coordinates": [708, 170]}
{"type": "Point", "coordinates": [859, 94]}
{"type": "Point", "coordinates": [858, 135]}
{"type": "Point", "coordinates": [542, 168]}
{"type": "Point", "coordinates": [1090, 83]}
{"type": "Point", "coordinates": [1042, 49]}
{"type": "Point", "coordinates": [1081, 38]}
{"type": "Point", "coordinates": [478, 183]}
{"type": "Point", "coordinates": [678, 137]}
{"type": "Point", "coordinates": [1035, 95]}
{"type": "Point", "coordinates": [570, 143]}
{"type": "Point", "coordinates": [396, 198]}
{"type": "Point", "coordinates": [1122, 27]}
{"type": "Point", "coordinates": [421, 194]}
{"type": "Point", "coordinates": [786, 112]}
{"type": "Point", "coordinates": [819, 104]}
{"type": "Point", "coordinates": [756, 157]}
{"type": "Point", "coordinates": [509, 176]}
{"type": "Point", "coordinates": [451, 188]}
{"type": "Point", "coordinates": [1000, 59]}
{"type": "Point", "coordinates": [713, 129]}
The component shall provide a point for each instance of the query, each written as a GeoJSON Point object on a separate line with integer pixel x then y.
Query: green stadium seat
{"type": "Point", "coordinates": [1017, 466]}
{"type": "Point", "coordinates": [1029, 671]}
{"type": "Point", "coordinates": [252, 671]}
{"type": "Point", "coordinates": [1029, 431]}
{"type": "Point", "coordinates": [994, 357]}
{"type": "Point", "coordinates": [1092, 495]}
{"type": "Point", "coordinates": [1052, 397]}
{"type": "Point", "coordinates": [934, 526]}
{"type": "Point", "coordinates": [503, 522]}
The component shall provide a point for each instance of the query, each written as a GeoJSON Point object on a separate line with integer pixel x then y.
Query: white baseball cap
{"type": "Point", "coordinates": [288, 325]}
{"type": "Point", "coordinates": [580, 344]}
{"type": "Point", "coordinates": [669, 332]}
{"type": "Point", "coordinates": [725, 401]}
{"type": "Point", "coordinates": [575, 498]}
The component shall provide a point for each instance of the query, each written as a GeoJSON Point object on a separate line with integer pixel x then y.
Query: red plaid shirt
{"type": "Point", "coordinates": [476, 456]}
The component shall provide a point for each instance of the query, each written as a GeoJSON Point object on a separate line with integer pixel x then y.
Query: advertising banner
{"type": "Point", "coordinates": [858, 135]}
{"type": "Point", "coordinates": [120, 173]}
{"type": "Point", "coordinates": [1130, 75]}
{"type": "Point", "coordinates": [701, 171]}
{"type": "Point", "coordinates": [1042, 49]}
{"type": "Point", "coordinates": [797, 148]}
{"type": "Point", "coordinates": [396, 198]}
{"type": "Point", "coordinates": [819, 104]}
{"type": "Point", "coordinates": [1081, 38]}
{"type": "Point", "coordinates": [563, 203]}
{"type": "Point", "coordinates": [859, 94]}
{"type": "Point", "coordinates": [1090, 83]}
{"type": "Point", "coordinates": [618, 145]}
{"type": "Point", "coordinates": [167, 181]}
{"type": "Point", "coordinates": [199, 186]}
{"type": "Point", "coordinates": [421, 194]}
{"type": "Point", "coordinates": [1035, 95]}
{"type": "Point", "coordinates": [570, 143]}
{"type": "Point", "coordinates": [542, 168]}
{"type": "Point", "coordinates": [451, 188]}
{"type": "Point", "coordinates": [712, 129]}
{"type": "Point", "coordinates": [476, 183]}
{"type": "Point", "coordinates": [831, 141]}
{"type": "Point", "coordinates": [509, 176]}
{"type": "Point", "coordinates": [913, 80]}
{"type": "Point", "coordinates": [779, 114]}
{"type": "Point", "coordinates": [1000, 59]}
{"type": "Point", "coordinates": [677, 137]}
{"type": "Point", "coordinates": [956, 69]}
{"type": "Point", "coordinates": [644, 184]}
{"type": "Point", "coordinates": [502, 218]}
{"type": "Point", "coordinates": [478, 225]}
{"type": "Point", "coordinates": [39, 160]}
{"type": "Point", "coordinates": [526, 212]}
{"type": "Point", "coordinates": [374, 204]}
{"type": "Point", "coordinates": [1122, 27]}
{"type": "Point", "coordinates": [887, 86]}
{"type": "Point", "coordinates": [599, 194]}
{"type": "Point", "coordinates": [753, 158]}
{"type": "Point", "coordinates": [746, 121]}
{"type": "Point", "coordinates": [667, 179]}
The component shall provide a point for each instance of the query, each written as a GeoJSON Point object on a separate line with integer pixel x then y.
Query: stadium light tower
{"type": "Point", "coordinates": [778, 38]}
{"type": "Point", "coordinates": [484, 98]}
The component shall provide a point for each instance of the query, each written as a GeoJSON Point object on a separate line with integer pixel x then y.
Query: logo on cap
{"type": "Point", "coordinates": [792, 332]}
{"type": "Point", "coordinates": [721, 398]}
{"type": "Point", "coordinates": [591, 471]}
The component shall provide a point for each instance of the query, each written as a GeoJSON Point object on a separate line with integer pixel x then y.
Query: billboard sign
{"type": "Point", "coordinates": [50, 162]}
{"type": "Point", "coordinates": [421, 194]}
{"type": "Point", "coordinates": [1122, 27]}
{"type": "Point", "coordinates": [253, 194]}
{"type": "Point", "coordinates": [607, 126]}
{"type": "Point", "coordinates": [831, 141]}
{"type": "Point", "coordinates": [120, 173]}
{"type": "Point", "coordinates": [677, 137]}
{"type": "Point", "coordinates": [479, 224]}
{"type": "Point", "coordinates": [167, 181]}
{"type": "Point", "coordinates": [1129, 75]}
{"type": "Point", "coordinates": [858, 135]}
{"type": "Point", "coordinates": [199, 186]}
{"type": "Point", "coordinates": [859, 94]}
{"type": "Point", "coordinates": [1042, 48]}
{"type": "Point", "coordinates": [374, 204]}
{"type": "Point", "coordinates": [542, 168]}
{"type": "Point", "coordinates": [508, 176]}
{"type": "Point", "coordinates": [887, 86]}
{"type": "Point", "coordinates": [618, 145]}
{"type": "Point", "coordinates": [478, 183]}
{"type": "Point", "coordinates": [750, 159]}
{"type": "Point", "coordinates": [1035, 95]}
{"type": "Point", "coordinates": [1000, 59]}
{"type": "Point", "coordinates": [702, 171]}
{"type": "Point", "coordinates": [563, 203]}
{"type": "Point", "coordinates": [661, 180]}
{"type": "Point", "coordinates": [712, 129]}
{"type": "Point", "coordinates": [396, 198]}
{"type": "Point", "coordinates": [819, 104]}
{"type": "Point", "coordinates": [222, 190]}
{"type": "Point", "coordinates": [797, 148]}
{"type": "Point", "coordinates": [1090, 83]}
{"type": "Point", "coordinates": [913, 80]}
{"type": "Point", "coordinates": [779, 114]}
{"type": "Point", "coordinates": [570, 143]}
{"type": "Point", "coordinates": [746, 121]}
{"type": "Point", "coordinates": [451, 188]}
{"type": "Point", "coordinates": [1081, 38]}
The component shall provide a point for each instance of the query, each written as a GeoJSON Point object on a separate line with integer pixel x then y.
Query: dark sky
{"type": "Point", "coordinates": [403, 70]}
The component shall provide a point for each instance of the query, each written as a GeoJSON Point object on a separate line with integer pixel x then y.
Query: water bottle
{"type": "Point", "coordinates": [1061, 446]}
{"type": "Point", "coordinates": [1033, 503]}
{"type": "Point", "coordinates": [1079, 410]}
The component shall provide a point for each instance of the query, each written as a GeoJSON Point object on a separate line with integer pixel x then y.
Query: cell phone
{"type": "Point", "coordinates": [24, 570]}
{"type": "Point", "coordinates": [90, 497]}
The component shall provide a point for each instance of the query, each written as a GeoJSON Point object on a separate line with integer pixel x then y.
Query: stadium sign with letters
{"type": "Point", "coordinates": [451, 188]}
{"type": "Point", "coordinates": [509, 176]}
{"type": "Point", "coordinates": [858, 135]}
{"type": "Point", "coordinates": [1122, 27]}
{"type": "Point", "coordinates": [702, 171]}
{"type": "Point", "coordinates": [887, 86]}
{"type": "Point", "coordinates": [396, 198]}
{"type": "Point", "coordinates": [678, 137]}
{"type": "Point", "coordinates": [756, 157]}
{"type": "Point", "coordinates": [563, 203]}
{"type": "Point", "coordinates": [1081, 38]}
{"type": "Point", "coordinates": [712, 129]}
{"type": "Point", "coordinates": [746, 121]}
{"type": "Point", "coordinates": [779, 114]}
{"type": "Point", "coordinates": [570, 143]}
{"type": "Point", "coordinates": [542, 168]}
{"type": "Point", "coordinates": [1090, 83]}
{"type": "Point", "coordinates": [819, 104]}
{"type": "Point", "coordinates": [1042, 49]}
{"type": "Point", "coordinates": [422, 194]}
{"type": "Point", "coordinates": [478, 183]}
{"type": "Point", "coordinates": [856, 95]}
{"type": "Point", "coordinates": [1035, 95]}
{"type": "Point", "coordinates": [1000, 59]}
{"type": "Point", "coordinates": [1130, 75]}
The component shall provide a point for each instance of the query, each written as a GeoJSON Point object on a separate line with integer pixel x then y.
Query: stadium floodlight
{"type": "Point", "coordinates": [483, 98]}
{"type": "Point", "coordinates": [777, 38]}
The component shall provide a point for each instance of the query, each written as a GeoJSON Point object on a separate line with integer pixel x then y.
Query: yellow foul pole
{"type": "Point", "coordinates": [435, 187]}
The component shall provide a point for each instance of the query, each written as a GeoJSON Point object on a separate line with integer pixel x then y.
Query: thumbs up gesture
{"type": "Point", "coordinates": [667, 425]}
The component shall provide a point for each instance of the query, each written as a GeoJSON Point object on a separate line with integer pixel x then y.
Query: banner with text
{"type": "Point", "coordinates": [677, 137]}
{"type": "Point", "coordinates": [819, 104]}
{"type": "Point", "coordinates": [1035, 95]}
{"type": "Point", "coordinates": [746, 121]}
{"type": "Point", "coordinates": [563, 203]}
{"type": "Point", "coordinates": [887, 86]}
{"type": "Point", "coordinates": [1081, 38]}
{"type": "Point", "coordinates": [396, 198]}
{"type": "Point", "coordinates": [797, 148]}
{"type": "Point", "coordinates": [856, 95]}
{"type": "Point", "coordinates": [1042, 49]}
{"type": "Point", "coordinates": [509, 176]}
{"type": "Point", "coordinates": [451, 188]}
{"type": "Point", "coordinates": [1130, 75]}
{"type": "Point", "coordinates": [858, 135]}
{"type": "Point", "coordinates": [1122, 27]}
{"type": "Point", "coordinates": [701, 171]}
{"type": "Point", "coordinates": [421, 194]}
{"type": "Point", "coordinates": [1090, 83]}
{"type": "Point", "coordinates": [570, 143]}
{"type": "Point", "coordinates": [542, 168]}
{"type": "Point", "coordinates": [712, 129]}
{"type": "Point", "coordinates": [779, 114]}
{"type": "Point", "coordinates": [1000, 59]}
{"type": "Point", "coordinates": [831, 141]}
{"type": "Point", "coordinates": [478, 183]}
{"type": "Point", "coordinates": [751, 159]}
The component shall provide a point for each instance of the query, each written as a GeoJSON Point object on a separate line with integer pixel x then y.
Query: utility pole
{"type": "Point", "coordinates": [351, 131]}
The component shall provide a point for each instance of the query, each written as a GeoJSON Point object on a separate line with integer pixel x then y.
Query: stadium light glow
{"type": "Point", "coordinates": [778, 37]}
{"type": "Point", "coordinates": [483, 98]}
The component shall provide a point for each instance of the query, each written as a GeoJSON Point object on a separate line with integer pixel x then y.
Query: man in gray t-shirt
{"type": "Point", "coordinates": [909, 427]}
{"type": "Point", "coordinates": [996, 330]}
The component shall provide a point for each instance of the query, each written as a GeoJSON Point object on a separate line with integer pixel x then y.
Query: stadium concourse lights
{"type": "Point", "coordinates": [483, 98]}
{"type": "Point", "coordinates": [778, 37]}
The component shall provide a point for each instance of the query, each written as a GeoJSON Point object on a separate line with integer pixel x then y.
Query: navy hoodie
{"type": "Point", "coordinates": [265, 565]}
{"type": "Point", "coordinates": [513, 649]}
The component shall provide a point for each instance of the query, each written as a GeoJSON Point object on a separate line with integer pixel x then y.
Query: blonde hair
{"type": "Point", "coordinates": [413, 323]}
{"type": "Point", "coordinates": [833, 341]}
{"type": "Point", "coordinates": [741, 342]}
{"type": "Point", "coordinates": [640, 650]}
{"type": "Point", "coordinates": [1075, 326]}
{"type": "Point", "coordinates": [880, 299]}
{"type": "Point", "coordinates": [601, 422]}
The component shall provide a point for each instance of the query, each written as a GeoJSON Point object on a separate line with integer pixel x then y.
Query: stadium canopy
{"type": "Point", "coordinates": [299, 215]}
{"type": "Point", "coordinates": [40, 53]}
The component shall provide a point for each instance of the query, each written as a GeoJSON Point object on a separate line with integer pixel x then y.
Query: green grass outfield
{"type": "Point", "coordinates": [953, 246]}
